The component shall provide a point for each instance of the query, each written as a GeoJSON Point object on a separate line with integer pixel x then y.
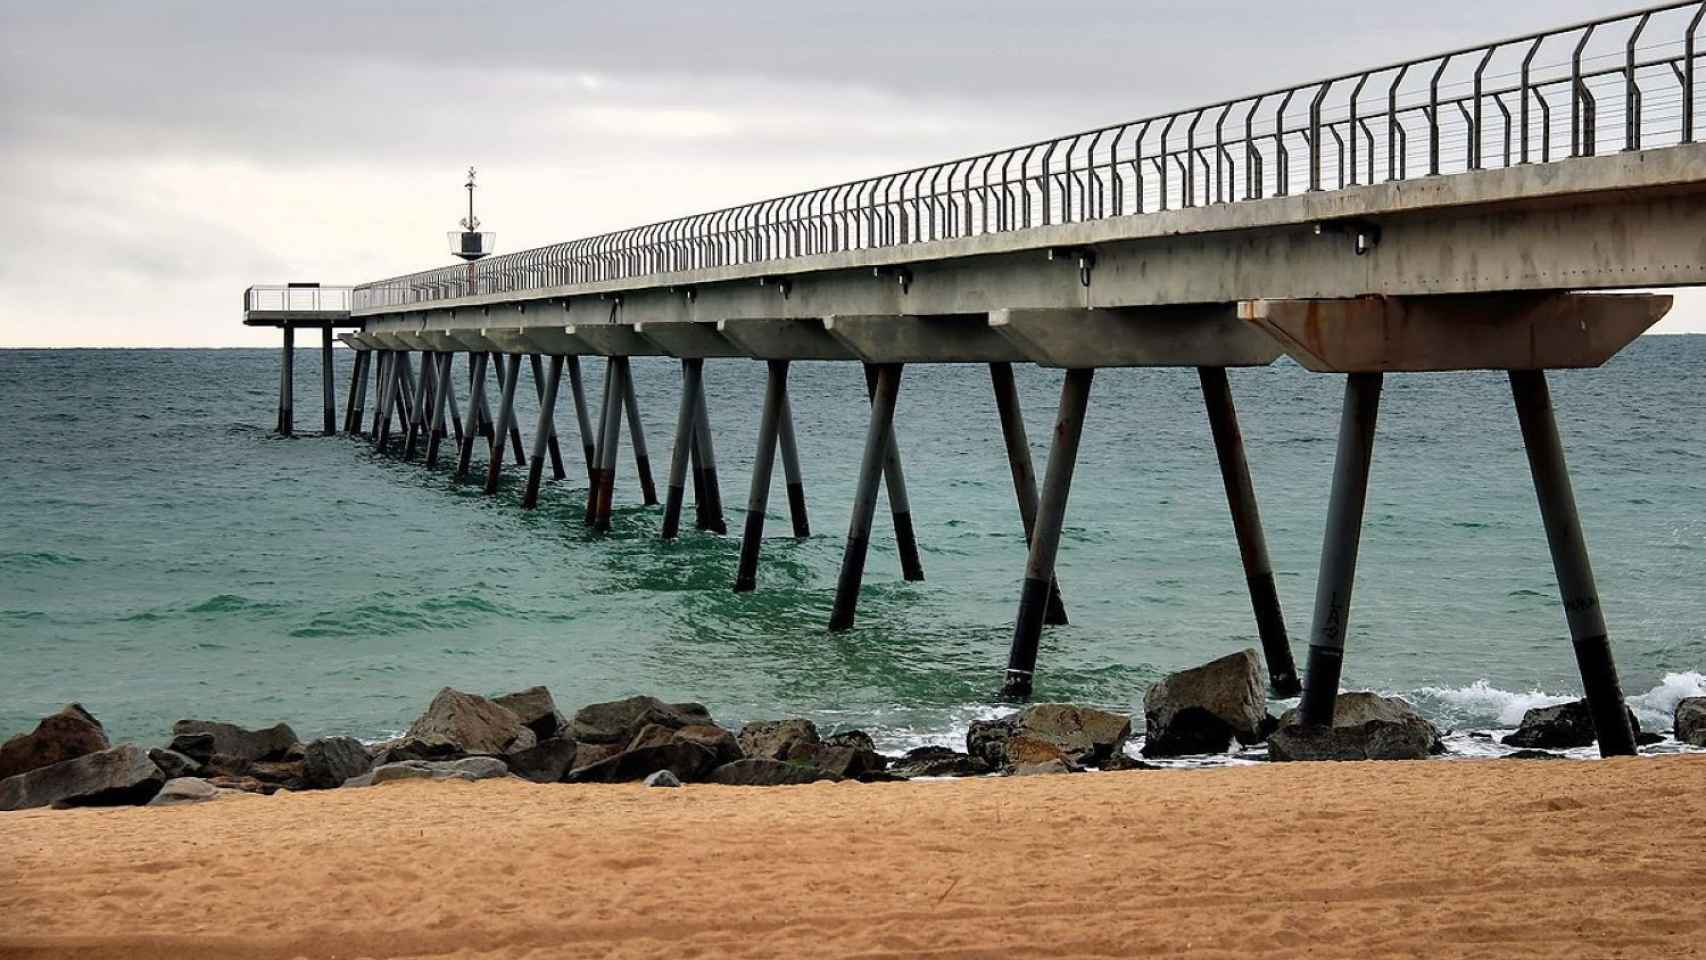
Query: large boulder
{"type": "Point", "coordinates": [935, 762]}
{"type": "Point", "coordinates": [536, 710]}
{"type": "Point", "coordinates": [174, 765]}
{"type": "Point", "coordinates": [434, 747]}
{"type": "Point", "coordinates": [1558, 727]}
{"type": "Point", "coordinates": [276, 742]}
{"type": "Point", "coordinates": [618, 721]}
{"type": "Point", "coordinates": [1203, 709]}
{"type": "Point", "coordinates": [467, 768]}
{"type": "Point", "coordinates": [330, 761]}
{"type": "Point", "coordinates": [1691, 721]}
{"type": "Point", "coordinates": [71, 733]}
{"type": "Point", "coordinates": [761, 772]}
{"type": "Point", "coordinates": [119, 776]}
{"type": "Point", "coordinates": [181, 790]}
{"type": "Point", "coordinates": [687, 760]}
{"type": "Point", "coordinates": [780, 739]}
{"type": "Point", "coordinates": [473, 724]}
{"type": "Point", "coordinates": [1366, 726]}
{"type": "Point", "coordinates": [546, 762]}
{"type": "Point", "coordinates": [1041, 732]}
{"type": "Point", "coordinates": [722, 744]}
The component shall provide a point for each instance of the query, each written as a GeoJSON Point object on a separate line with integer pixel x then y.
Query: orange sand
{"type": "Point", "coordinates": [1438, 859]}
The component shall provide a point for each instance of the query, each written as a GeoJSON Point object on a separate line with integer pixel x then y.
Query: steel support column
{"type": "Point", "coordinates": [791, 470]}
{"type": "Point", "coordinates": [552, 447]}
{"type": "Point", "coordinates": [471, 428]}
{"type": "Point", "coordinates": [286, 383]}
{"type": "Point", "coordinates": [1024, 473]}
{"type": "Point", "coordinates": [327, 388]}
{"type": "Point", "coordinates": [506, 421]}
{"type": "Point", "coordinates": [545, 439]}
{"type": "Point", "coordinates": [681, 452]}
{"type": "Point", "coordinates": [763, 465]}
{"type": "Point", "coordinates": [878, 442]}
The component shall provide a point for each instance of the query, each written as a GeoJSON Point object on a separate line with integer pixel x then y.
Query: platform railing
{"type": "Point", "coordinates": [1626, 82]}
{"type": "Point", "coordinates": [297, 298]}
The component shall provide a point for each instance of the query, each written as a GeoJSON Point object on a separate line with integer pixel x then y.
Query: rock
{"type": "Point", "coordinates": [196, 746]}
{"type": "Point", "coordinates": [114, 777]}
{"type": "Point", "coordinates": [244, 785]}
{"type": "Point", "coordinates": [779, 739]}
{"type": "Point", "coordinates": [618, 721]}
{"type": "Point", "coordinates": [182, 790]}
{"type": "Point", "coordinates": [1534, 755]}
{"type": "Point", "coordinates": [544, 763]}
{"type": "Point", "coordinates": [1645, 739]}
{"type": "Point", "coordinates": [71, 733]}
{"type": "Point", "coordinates": [225, 765]}
{"type": "Point", "coordinates": [688, 761]}
{"type": "Point", "coordinates": [271, 743]}
{"type": "Point", "coordinates": [1366, 726]}
{"type": "Point", "coordinates": [1203, 709]}
{"type": "Point", "coordinates": [587, 754]}
{"type": "Point", "coordinates": [1048, 731]}
{"type": "Point", "coordinates": [857, 739]}
{"type": "Point", "coordinates": [434, 747]}
{"type": "Point", "coordinates": [663, 778]}
{"type": "Point", "coordinates": [536, 710]}
{"type": "Point", "coordinates": [1036, 769]}
{"type": "Point", "coordinates": [853, 763]}
{"type": "Point", "coordinates": [329, 761]}
{"type": "Point", "coordinates": [286, 773]}
{"type": "Point", "coordinates": [763, 772]}
{"type": "Point", "coordinates": [1125, 761]}
{"type": "Point", "coordinates": [473, 724]}
{"type": "Point", "coordinates": [934, 762]}
{"type": "Point", "coordinates": [173, 764]}
{"type": "Point", "coordinates": [1558, 727]}
{"type": "Point", "coordinates": [467, 768]}
{"type": "Point", "coordinates": [1691, 721]}
{"type": "Point", "coordinates": [721, 743]}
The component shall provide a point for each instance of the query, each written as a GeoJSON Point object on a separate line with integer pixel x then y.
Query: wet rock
{"type": "Point", "coordinates": [173, 764]}
{"type": "Point", "coordinates": [434, 747]}
{"type": "Point", "coordinates": [780, 739]}
{"type": "Point", "coordinates": [1048, 731]}
{"type": "Point", "coordinates": [1645, 739]}
{"type": "Point", "coordinates": [762, 772]}
{"type": "Point", "coordinates": [71, 733]}
{"type": "Point", "coordinates": [1038, 769]}
{"type": "Point", "coordinates": [663, 778]}
{"type": "Point", "coordinates": [269, 743]}
{"type": "Point", "coordinates": [285, 773]}
{"type": "Point", "coordinates": [546, 762]}
{"type": "Point", "coordinates": [474, 724]}
{"type": "Point", "coordinates": [467, 768]}
{"type": "Point", "coordinates": [182, 790]}
{"type": "Point", "coordinates": [935, 762]}
{"type": "Point", "coordinates": [1366, 726]}
{"type": "Point", "coordinates": [536, 710]}
{"type": "Point", "coordinates": [1691, 721]}
{"type": "Point", "coordinates": [329, 761]}
{"type": "Point", "coordinates": [1558, 727]}
{"type": "Point", "coordinates": [721, 743]}
{"type": "Point", "coordinates": [1534, 755]}
{"type": "Point", "coordinates": [1125, 761]}
{"type": "Point", "coordinates": [688, 761]}
{"type": "Point", "coordinates": [851, 763]}
{"type": "Point", "coordinates": [618, 721]}
{"type": "Point", "coordinates": [1203, 709]}
{"type": "Point", "coordinates": [856, 739]}
{"type": "Point", "coordinates": [114, 777]}
{"type": "Point", "coordinates": [587, 754]}
{"type": "Point", "coordinates": [196, 746]}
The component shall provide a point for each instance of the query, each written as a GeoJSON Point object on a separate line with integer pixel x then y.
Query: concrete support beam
{"type": "Point", "coordinates": [1193, 335]}
{"type": "Point", "coordinates": [689, 339]}
{"type": "Point", "coordinates": [950, 338]}
{"type": "Point", "coordinates": [792, 338]}
{"type": "Point", "coordinates": [1505, 331]}
{"type": "Point", "coordinates": [613, 340]}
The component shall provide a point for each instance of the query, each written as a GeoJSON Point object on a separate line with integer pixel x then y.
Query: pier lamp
{"type": "Point", "coordinates": [470, 243]}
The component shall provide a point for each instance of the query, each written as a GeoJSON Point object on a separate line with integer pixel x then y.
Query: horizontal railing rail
{"type": "Point", "coordinates": [1626, 82]}
{"type": "Point", "coordinates": [297, 298]}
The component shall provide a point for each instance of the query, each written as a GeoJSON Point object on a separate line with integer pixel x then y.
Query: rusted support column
{"type": "Point", "coordinates": [442, 376]}
{"type": "Point", "coordinates": [1024, 473]}
{"type": "Point", "coordinates": [471, 429]}
{"type": "Point", "coordinates": [711, 516]}
{"type": "Point", "coordinates": [596, 470]}
{"type": "Point", "coordinates": [879, 439]}
{"type": "Point", "coordinates": [286, 384]}
{"type": "Point", "coordinates": [327, 387]}
{"type": "Point", "coordinates": [418, 421]}
{"type": "Point", "coordinates": [681, 452]}
{"type": "Point", "coordinates": [577, 390]}
{"type": "Point", "coordinates": [791, 470]}
{"type": "Point", "coordinates": [1247, 527]}
{"type": "Point", "coordinates": [1045, 538]}
{"type": "Point", "coordinates": [763, 465]}
{"type": "Point", "coordinates": [556, 451]}
{"type": "Point", "coordinates": [1339, 548]}
{"type": "Point", "coordinates": [1576, 587]}
{"type": "Point", "coordinates": [514, 431]}
{"type": "Point", "coordinates": [506, 419]}
{"type": "Point", "coordinates": [900, 506]}
{"type": "Point", "coordinates": [642, 459]}
{"type": "Point", "coordinates": [545, 438]}
{"type": "Point", "coordinates": [612, 444]}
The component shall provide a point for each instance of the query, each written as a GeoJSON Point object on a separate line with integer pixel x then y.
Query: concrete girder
{"type": "Point", "coordinates": [1196, 335]}
{"type": "Point", "coordinates": [354, 341]}
{"type": "Point", "coordinates": [952, 338]}
{"type": "Point", "coordinates": [367, 341]}
{"type": "Point", "coordinates": [476, 341]}
{"type": "Point", "coordinates": [388, 340]}
{"type": "Point", "coordinates": [689, 340]}
{"type": "Point", "coordinates": [1506, 331]}
{"type": "Point", "coordinates": [413, 339]}
{"type": "Point", "coordinates": [550, 340]}
{"type": "Point", "coordinates": [784, 338]}
{"type": "Point", "coordinates": [442, 342]}
{"type": "Point", "coordinates": [613, 340]}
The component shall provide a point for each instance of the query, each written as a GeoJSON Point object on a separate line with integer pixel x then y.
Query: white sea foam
{"type": "Point", "coordinates": [1481, 702]}
{"type": "Point", "coordinates": [1657, 707]}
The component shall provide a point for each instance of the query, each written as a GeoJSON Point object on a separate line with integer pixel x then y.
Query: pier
{"type": "Point", "coordinates": [1477, 209]}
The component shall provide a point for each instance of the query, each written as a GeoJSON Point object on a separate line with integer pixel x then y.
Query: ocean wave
{"type": "Point", "coordinates": [37, 560]}
{"type": "Point", "coordinates": [1482, 703]}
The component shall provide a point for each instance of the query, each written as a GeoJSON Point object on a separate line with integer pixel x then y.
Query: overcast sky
{"type": "Point", "coordinates": [160, 157]}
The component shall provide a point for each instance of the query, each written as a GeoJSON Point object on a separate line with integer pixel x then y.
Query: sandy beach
{"type": "Point", "coordinates": [1440, 859]}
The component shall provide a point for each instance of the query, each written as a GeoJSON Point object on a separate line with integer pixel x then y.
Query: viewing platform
{"type": "Point", "coordinates": [297, 305]}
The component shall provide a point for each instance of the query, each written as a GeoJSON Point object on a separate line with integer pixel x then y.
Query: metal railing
{"type": "Point", "coordinates": [1625, 82]}
{"type": "Point", "coordinates": [297, 298]}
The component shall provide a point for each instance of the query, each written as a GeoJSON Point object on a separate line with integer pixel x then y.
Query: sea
{"type": "Point", "coordinates": [163, 554]}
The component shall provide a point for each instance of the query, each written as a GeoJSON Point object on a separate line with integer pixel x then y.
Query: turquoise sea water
{"type": "Point", "coordinates": [162, 555]}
